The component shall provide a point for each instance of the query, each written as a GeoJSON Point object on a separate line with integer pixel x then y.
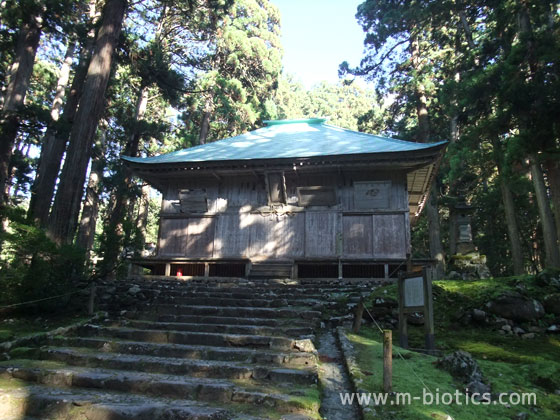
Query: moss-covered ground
{"type": "Point", "coordinates": [510, 363]}
{"type": "Point", "coordinates": [303, 398]}
{"type": "Point", "coordinates": [12, 327]}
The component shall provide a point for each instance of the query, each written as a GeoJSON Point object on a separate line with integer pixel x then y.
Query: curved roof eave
{"type": "Point", "coordinates": [294, 139]}
{"type": "Point", "coordinates": [432, 152]}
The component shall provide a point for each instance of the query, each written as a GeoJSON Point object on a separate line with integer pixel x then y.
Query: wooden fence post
{"type": "Point", "coordinates": [387, 360]}
{"type": "Point", "coordinates": [358, 313]}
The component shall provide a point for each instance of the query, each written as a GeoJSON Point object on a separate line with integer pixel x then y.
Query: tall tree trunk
{"type": "Point", "coordinates": [452, 232]}
{"type": "Point", "coordinates": [454, 138]}
{"type": "Point", "coordinates": [142, 218]}
{"type": "Point", "coordinates": [19, 185]}
{"type": "Point", "coordinates": [56, 136]}
{"type": "Point", "coordinates": [64, 215]}
{"type": "Point", "coordinates": [62, 82]}
{"type": "Point", "coordinates": [509, 210]}
{"type": "Point", "coordinates": [549, 231]}
{"type": "Point", "coordinates": [204, 127]}
{"type": "Point", "coordinates": [513, 230]}
{"type": "Point", "coordinates": [552, 252]}
{"type": "Point", "coordinates": [14, 98]}
{"type": "Point", "coordinates": [9, 182]}
{"type": "Point", "coordinates": [553, 175]}
{"type": "Point", "coordinates": [16, 150]}
{"type": "Point", "coordinates": [86, 230]}
{"type": "Point", "coordinates": [467, 29]}
{"type": "Point", "coordinates": [434, 230]}
{"type": "Point", "coordinates": [120, 200]}
{"type": "Point", "coordinates": [54, 143]}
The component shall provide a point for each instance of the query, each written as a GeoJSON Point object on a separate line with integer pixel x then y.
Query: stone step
{"type": "Point", "coordinates": [314, 302]}
{"type": "Point", "coordinates": [245, 355]}
{"type": "Point", "coordinates": [254, 292]}
{"type": "Point", "coordinates": [269, 302]}
{"type": "Point", "coordinates": [176, 366]}
{"type": "Point", "coordinates": [238, 348]}
{"type": "Point", "coordinates": [236, 311]}
{"type": "Point", "coordinates": [255, 288]}
{"type": "Point", "coordinates": [157, 385]}
{"type": "Point", "coordinates": [36, 402]}
{"type": "Point", "coordinates": [219, 328]}
{"type": "Point", "coordinates": [233, 294]}
{"type": "Point", "coordinates": [244, 283]}
{"type": "Point", "coordinates": [268, 297]}
{"type": "Point", "coordinates": [224, 320]}
{"type": "Point", "coordinates": [180, 337]}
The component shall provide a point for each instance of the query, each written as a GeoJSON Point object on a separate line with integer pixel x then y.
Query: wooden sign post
{"type": "Point", "coordinates": [415, 295]}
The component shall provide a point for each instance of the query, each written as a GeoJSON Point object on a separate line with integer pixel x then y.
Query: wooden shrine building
{"type": "Point", "coordinates": [296, 198]}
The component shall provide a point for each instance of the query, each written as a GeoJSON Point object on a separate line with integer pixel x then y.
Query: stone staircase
{"type": "Point", "coordinates": [212, 349]}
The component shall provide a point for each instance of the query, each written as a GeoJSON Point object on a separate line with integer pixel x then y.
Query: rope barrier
{"type": "Point", "coordinates": [396, 269]}
{"type": "Point", "coordinates": [39, 300]}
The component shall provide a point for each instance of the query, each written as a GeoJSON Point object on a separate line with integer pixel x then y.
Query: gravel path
{"type": "Point", "coordinates": [334, 380]}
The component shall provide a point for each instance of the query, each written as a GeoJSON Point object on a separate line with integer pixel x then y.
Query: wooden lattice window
{"type": "Point", "coordinates": [276, 184]}
{"type": "Point", "coordinates": [316, 196]}
{"type": "Point", "coordinates": [193, 201]}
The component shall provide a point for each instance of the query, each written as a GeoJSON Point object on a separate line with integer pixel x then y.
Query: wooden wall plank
{"type": "Point", "coordinates": [231, 240]}
{"type": "Point", "coordinates": [173, 237]}
{"type": "Point", "coordinates": [258, 235]}
{"type": "Point", "coordinates": [169, 197]}
{"type": "Point", "coordinates": [357, 236]}
{"type": "Point", "coordinates": [389, 236]}
{"type": "Point", "coordinates": [372, 195]}
{"type": "Point", "coordinates": [200, 241]}
{"type": "Point", "coordinates": [236, 232]}
{"type": "Point", "coordinates": [398, 192]}
{"type": "Point", "coordinates": [407, 233]}
{"type": "Point", "coordinates": [320, 233]}
{"type": "Point", "coordinates": [289, 235]}
{"type": "Point", "coordinates": [276, 236]}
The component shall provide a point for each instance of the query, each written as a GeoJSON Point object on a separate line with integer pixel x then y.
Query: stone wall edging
{"type": "Point", "coordinates": [38, 338]}
{"type": "Point", "coordinates": [350, 365]}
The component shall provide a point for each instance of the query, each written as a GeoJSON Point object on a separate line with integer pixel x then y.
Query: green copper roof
{"type": "Point", "coordinates": [288, 139]}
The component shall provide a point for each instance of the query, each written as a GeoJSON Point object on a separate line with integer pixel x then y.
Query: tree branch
{"type": "Point", "coordinates": [365, 71]}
